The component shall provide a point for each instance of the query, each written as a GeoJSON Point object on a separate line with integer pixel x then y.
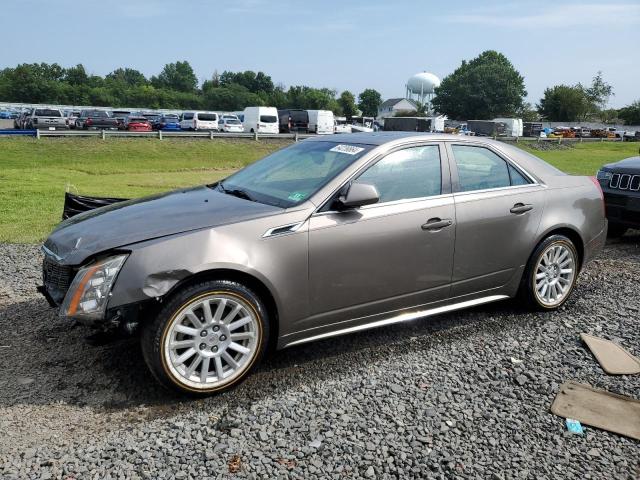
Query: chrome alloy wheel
{"type": "Point", "coordinates": [211, 341]}
{"type": "Point", "coordinates": [554, 274]}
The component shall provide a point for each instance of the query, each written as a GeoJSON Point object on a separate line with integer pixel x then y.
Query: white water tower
{"type": "Point", "coordinates": [423, 86]}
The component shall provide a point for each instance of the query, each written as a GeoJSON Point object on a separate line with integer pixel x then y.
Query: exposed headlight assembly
{"type": "Point", "coordinates": [88, 294]}
{"type": "Point", "coordinates": [604, 175]}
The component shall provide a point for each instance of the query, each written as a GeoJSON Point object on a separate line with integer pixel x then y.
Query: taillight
{"type": "Point", "coordinates": [89, 121]}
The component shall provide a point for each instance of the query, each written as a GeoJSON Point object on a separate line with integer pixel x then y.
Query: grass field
{"type": "Point", "coordinates": [34, 174]}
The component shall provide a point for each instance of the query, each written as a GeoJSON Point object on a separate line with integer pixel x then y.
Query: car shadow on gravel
{"type": "Point", "coordinates": [45, 360]}
{"type": "Point", "coordinates": [50, 361]}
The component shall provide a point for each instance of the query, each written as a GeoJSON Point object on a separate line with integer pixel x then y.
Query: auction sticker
{"type": "Point", "coordinates": [348, 149]}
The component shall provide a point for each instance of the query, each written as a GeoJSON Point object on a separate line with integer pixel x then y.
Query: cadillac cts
{"type": "Point", "coordinates": [323, 238]}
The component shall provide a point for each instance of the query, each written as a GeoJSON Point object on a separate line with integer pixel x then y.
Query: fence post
{"type": "Point", "coordinates": [602, 139]}
{"type": "Point", "coordinates": [38, 133]}
{"type": "Point", "coordinates": [295, 136]}
{"type": "Point", "coordinates": [559, 140]}
{"type": "Point", "coordinates": [104, 135]}
{"type": "Point", "coordinates": [517, 139]}
{"type": "Point", "coordinates": [255, 135]}
{"type": "Point", "coordinates": [210, 134]}
{"type": "Point", "coordinates": [159, 134]}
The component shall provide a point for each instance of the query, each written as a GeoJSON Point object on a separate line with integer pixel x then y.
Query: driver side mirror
{"type": "Point", "coordinates": [359, 195]}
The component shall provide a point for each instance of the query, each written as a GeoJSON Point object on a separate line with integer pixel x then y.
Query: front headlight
{"type": "Point", "coordinates": [88, 294]}
{"type": "Point", "coordinates": [604, 175]}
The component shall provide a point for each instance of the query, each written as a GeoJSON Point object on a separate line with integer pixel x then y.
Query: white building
{"type": "Point", "coordinates": [390, 107]}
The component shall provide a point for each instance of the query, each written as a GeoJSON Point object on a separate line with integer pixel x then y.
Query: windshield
{"type": "Point", "coordinates": [231, 121]}
{"type": "Point", "coordinates": [170, 118]}
{"type": "Point", "coordinates": [292, 175]}
{"type": "Point", "coordinates": [207, 117]}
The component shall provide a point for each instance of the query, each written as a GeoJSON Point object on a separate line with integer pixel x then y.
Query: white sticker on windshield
{"type": "Point", "coordinates": [348, 149]}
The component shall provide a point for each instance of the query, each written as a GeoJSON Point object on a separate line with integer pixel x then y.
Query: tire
{"type": "Point", "coordinates": [616, 230]}
{"type": "Point", "coordinates": [171, 343]}
{"type": "Point", "coordinates": [553, 258]}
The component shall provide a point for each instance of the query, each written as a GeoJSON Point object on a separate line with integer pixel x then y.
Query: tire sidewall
{"type": "Point", "coordinates": [530, 283]}
{"type": "Point", "coordinates": [154, 333]}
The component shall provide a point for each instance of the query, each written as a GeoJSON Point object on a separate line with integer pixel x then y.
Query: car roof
{"type": "Point", "coordinates": [380, 138]}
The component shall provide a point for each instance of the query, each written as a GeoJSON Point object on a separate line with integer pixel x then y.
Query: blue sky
{"type": "Point", "coordinates": [339, 44]}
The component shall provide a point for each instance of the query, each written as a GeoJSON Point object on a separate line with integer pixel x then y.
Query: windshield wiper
{"type": "Point", "coordinates": [236, 192]}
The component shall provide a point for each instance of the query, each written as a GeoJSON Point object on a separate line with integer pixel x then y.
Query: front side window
{"type": "Point", "coordinates": [292, 175]}
{"type": "Point", "coordinates": [481, 169]}
{"type": "Point", "coordinates": [414, 172]}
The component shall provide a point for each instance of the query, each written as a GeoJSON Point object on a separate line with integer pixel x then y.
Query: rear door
{"type": "Point", "coordinates": [498, 210]}
{"type": "Point", "coordinates": [395, 254]}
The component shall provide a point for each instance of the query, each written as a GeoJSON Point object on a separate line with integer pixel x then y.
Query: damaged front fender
{"type": "Point", "coordinates": [158, 284]}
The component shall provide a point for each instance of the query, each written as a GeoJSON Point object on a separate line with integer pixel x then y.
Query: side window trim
{"type": "Point", "coordinates": [455, 184]}
{"type": "Point", "coordinates": [445, 176]}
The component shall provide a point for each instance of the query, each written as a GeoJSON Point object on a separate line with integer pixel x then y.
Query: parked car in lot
{"type": "Point", "coordinates": [341, 125]}
{"type": "Point", "coordinates": [231, 125]}
{"type": "Point", "coordinates": [46, 118]}
{"type": "Point", "coordinates": [293, 121]}
{"type": "Point", "coordinates": [138, 124]}
{"type": "Point", "coordinates": [167, 122]}
{"type": "Point", "coordinates": [121, 117]}
{"type": "Point", "coordinates": [328, 236]}
{"type": "Point", "coordinates": [199, 121]}
{"type": "Point", "coordinates": [620, 182]}
{"type": "Point", "coordinates": [71, 116]}
{"type": "Point", "coordinates": [20, 122]}
{"type": "Point", "coordinates": [260, 119]}
{"type": "Point", "coordinates": [96, 119]}
{"type": "Point", "coordinates": [321, 121]}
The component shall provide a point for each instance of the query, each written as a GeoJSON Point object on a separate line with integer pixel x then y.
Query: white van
{"type": "Point", "coordinates": [199, 121]}
{"type": "Point", "coordinates": [321, 121]}
{"type": "Point", "coordinates": [261, 120]}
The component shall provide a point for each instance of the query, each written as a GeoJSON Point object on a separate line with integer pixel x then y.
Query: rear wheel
{"type": "Point", "coordinates": [207, 338]}
{"type": "Point", "coordinates": [551, 273]}
{"type": "Point", "coordinates": [616, 230]}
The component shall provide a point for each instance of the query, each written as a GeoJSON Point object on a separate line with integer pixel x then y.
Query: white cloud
{"type": "Point", "coordinates": [556, 16]}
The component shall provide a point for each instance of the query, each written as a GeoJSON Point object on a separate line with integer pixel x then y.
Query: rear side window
{"type": "Point", "coordinates": [481, 169]}
{"type": "Point", "coordinates": [47, 112]}
{"type": "Point", "coordinates": [207, 117]}
{"type": "Point", "coordinates": [410, 173]}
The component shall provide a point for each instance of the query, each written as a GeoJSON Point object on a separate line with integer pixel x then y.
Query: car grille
{"type": "Point", "coordinates": [57, 278]}
{"type": "Point", "coordinates": [625, 181]}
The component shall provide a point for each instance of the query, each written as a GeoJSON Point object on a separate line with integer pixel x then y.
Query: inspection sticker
{"type": "Point", "coordinates": [348, 149]}
{"type": "Point", "coordinates": [297, 196]}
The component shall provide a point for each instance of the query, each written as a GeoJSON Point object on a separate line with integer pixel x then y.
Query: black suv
{"type": "Point", "coordinates": [620, 183]}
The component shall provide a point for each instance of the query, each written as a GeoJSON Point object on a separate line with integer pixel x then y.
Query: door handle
{"type": "Point", "coordinates": [434, 224]}
{"type": "Point", "coordinates": [519, 208]}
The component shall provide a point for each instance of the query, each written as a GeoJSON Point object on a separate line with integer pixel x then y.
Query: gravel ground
{"type": "Point", "coordinates": [439, 398]}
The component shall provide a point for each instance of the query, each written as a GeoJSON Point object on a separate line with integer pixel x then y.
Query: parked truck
{"type": "Point", "coordinates": [96, 119]}
{"type": "Point", "coordinates": [46, 118]}
{"type": "Point", "coordinates": [487, 128]}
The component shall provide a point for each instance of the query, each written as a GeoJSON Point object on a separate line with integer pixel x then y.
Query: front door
{"type": "Point", "coordinates": [395, 254]}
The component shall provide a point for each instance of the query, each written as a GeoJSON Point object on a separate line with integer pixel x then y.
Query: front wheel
{"type": "Point", "coordinates": [551, 273]}
{"type": "Point", "coordinates": [207, 338]}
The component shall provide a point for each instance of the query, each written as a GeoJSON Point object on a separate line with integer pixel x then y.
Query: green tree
{"type": "Point", "coordinates": [76, 75]}
{"type": "Point", "coordinates": [347, 103]}
{"type": "Point", "coordinates": [177, 76]}
{"type": "Point", "coordinates": [631, 113]}
{"type": "Point", "coordinates": [564, 103]}
{"type": "Point", "coordinates": [486, 87]}
{"type": "Point", "coordinates": [599, 92]}
{"type": "Point", "coordinates": [127, 76]}
{"type": "Point", "coordinates": [369, 101]}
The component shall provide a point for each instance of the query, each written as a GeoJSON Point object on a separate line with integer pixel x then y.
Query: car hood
{"type": "Point", "coordinates": [628, 165]}
{"type": "Point", "coordinates": [142, 219]}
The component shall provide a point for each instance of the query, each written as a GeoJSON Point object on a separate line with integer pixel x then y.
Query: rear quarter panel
{"type": "Point", "coordinates": [575, 202]}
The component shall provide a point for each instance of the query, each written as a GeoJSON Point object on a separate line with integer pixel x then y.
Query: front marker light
{"type": "Point", "coordinates": [88, 294]}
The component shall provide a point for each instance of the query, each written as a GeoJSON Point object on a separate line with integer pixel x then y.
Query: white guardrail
{"type": "Point", "coordinates": [161, 134]}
